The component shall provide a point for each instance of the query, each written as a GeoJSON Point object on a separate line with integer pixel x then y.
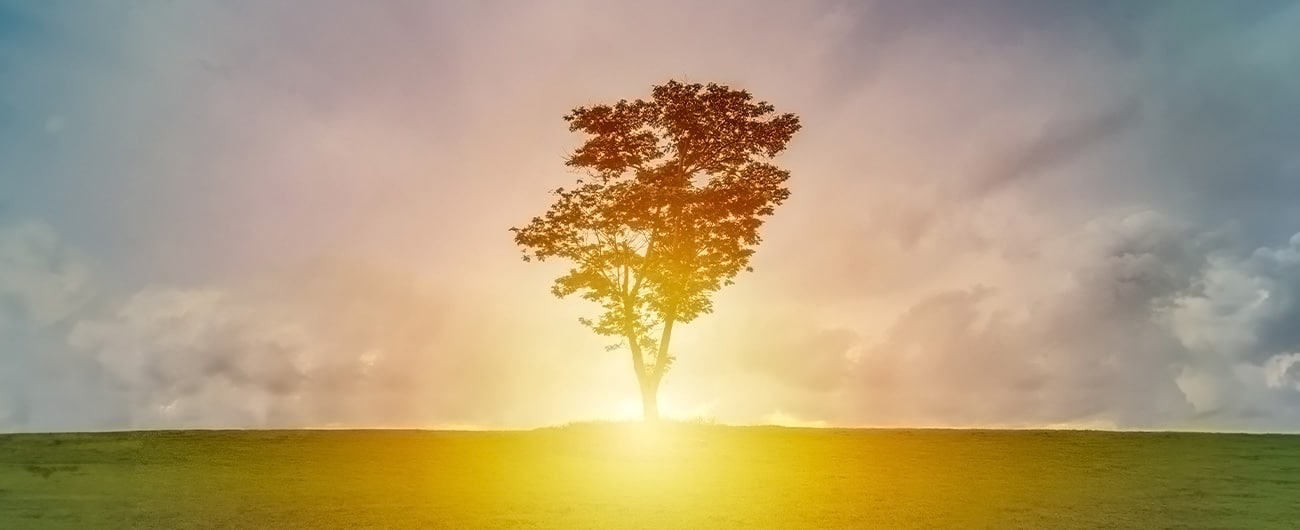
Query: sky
{"type": "Point", "coordinates": [294, 214]}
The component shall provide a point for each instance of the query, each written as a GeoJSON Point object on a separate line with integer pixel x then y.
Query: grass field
{"type": "Point", "coordinates": [627, 476]}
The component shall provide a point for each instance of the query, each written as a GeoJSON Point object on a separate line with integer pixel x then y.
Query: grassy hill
{"type": "Point", "coordinates": [628, 476]}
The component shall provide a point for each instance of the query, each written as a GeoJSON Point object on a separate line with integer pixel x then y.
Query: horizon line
{"type": "Point", "coordinates": [608, 423]}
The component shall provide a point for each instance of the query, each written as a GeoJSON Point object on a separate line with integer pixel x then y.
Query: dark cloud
{"type": "Point", "coordinates": [1092, 350]}
{"type": "Point", "coordinates": [1248, 306]}
{"type": "Point", "coordinates": [1097, 348]}
{"type": "Point", "coordinates": [1279, 331]}
{"type": "Point", "coordinates": [1221, 113]}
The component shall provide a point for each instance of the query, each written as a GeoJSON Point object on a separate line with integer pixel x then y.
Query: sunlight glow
{"type": "Point", "coordinates": [629, 409]}
{"type": "Point", "coordinates": [786, 420]}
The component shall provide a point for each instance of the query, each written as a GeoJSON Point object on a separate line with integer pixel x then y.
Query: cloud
{"type": "Point", "coordinates": [1238, 325]}
{"type": "Point", "coordinates": [1055, 143]}
{"type": "Point", "coordinates": [45, 285]}
{"type": "Point", "coordinates": [1146, 322]}
{"type": "Point", "coordinates": [42, 281]}
{"type": "Point", "coordinates": [336, 343]}
{"type": "Point", "coordinates": [1219, 80]}
{"type": "Point", "coordinates": [1089, 347]}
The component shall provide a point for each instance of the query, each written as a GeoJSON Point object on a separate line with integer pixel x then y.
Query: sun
{"type": "Point", "coordinates": [626, 410]}
{"type": "Point", "coordinates": [629, 409]}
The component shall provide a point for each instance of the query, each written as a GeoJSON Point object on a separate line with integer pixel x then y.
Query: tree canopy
{"type": "Point", "coordinates": [667, 212]}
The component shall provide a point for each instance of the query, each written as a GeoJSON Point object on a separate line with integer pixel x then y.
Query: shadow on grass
{"type": "Point", "coordinates": [46, 471]}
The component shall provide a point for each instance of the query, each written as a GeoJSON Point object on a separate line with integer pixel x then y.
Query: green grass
{"type": "Point", "coordinates": [623, 476]}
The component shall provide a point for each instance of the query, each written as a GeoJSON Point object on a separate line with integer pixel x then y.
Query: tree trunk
{"type": "Point", "coordinates": [650, 381]}
{"type": "Point", "coordinates": [650, 398]}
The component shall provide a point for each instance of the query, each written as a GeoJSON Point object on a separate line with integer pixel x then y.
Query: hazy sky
{"type": "Point", "coordinates": [294, 213]}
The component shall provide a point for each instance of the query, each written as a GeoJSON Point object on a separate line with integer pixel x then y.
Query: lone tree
{"type": "Point", "coordinates": [675, 190]}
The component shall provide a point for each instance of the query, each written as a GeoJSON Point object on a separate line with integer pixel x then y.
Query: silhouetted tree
{"type": "Point", "coordinates": [676, 188]}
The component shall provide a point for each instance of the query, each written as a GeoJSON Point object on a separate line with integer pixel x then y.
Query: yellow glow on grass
{"type": "Point", "coordinates": [633, 475]}
{"type": "Point", "coordinates": [642, 440]}
{"type": "Point", "coordinates": [636, 443]}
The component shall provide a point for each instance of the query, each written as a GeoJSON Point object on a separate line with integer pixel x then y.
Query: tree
{"type": "Point", "coordinates": [675, 189]}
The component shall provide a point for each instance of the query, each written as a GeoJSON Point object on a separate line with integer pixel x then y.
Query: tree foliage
{"type": "Point", "coordinates": [675, 190]}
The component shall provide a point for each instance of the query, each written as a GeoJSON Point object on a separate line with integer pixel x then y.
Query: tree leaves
{"type": "Point", "coordinates": [679, 187]}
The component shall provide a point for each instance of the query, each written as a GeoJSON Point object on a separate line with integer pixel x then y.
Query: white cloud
{"type": "Point", "coordinates": [1283, 371]}
{"type": "Point", "coordinates": [1148, 323]}
{"type": "Point", "coordinates": [41, 280]}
